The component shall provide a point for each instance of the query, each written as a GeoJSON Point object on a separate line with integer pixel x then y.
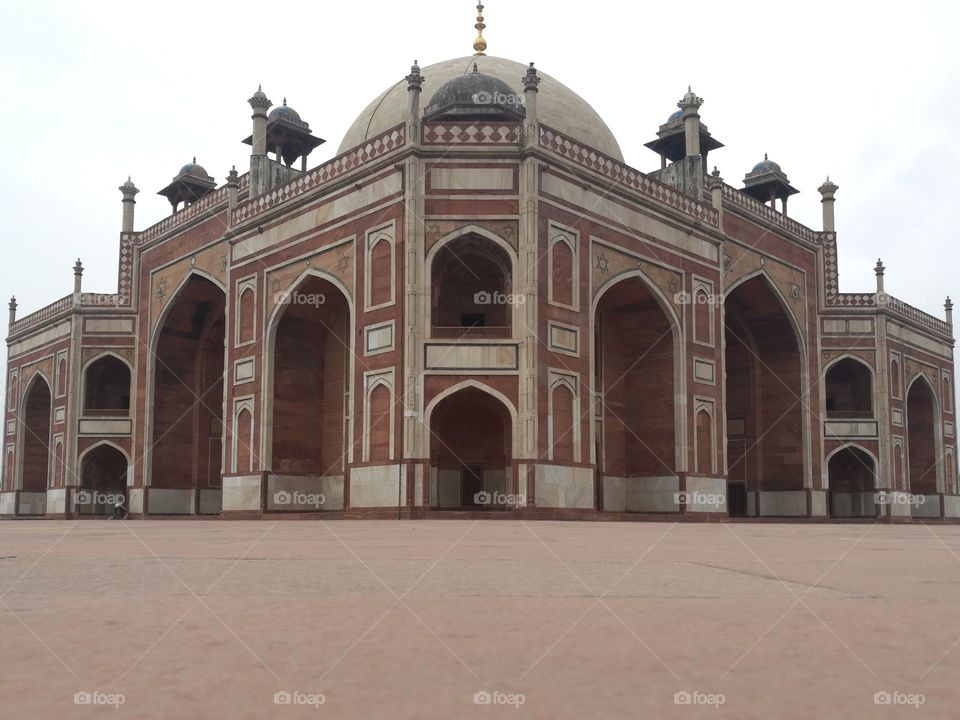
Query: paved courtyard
{"type": "Point", "coordinates": [464, 619]}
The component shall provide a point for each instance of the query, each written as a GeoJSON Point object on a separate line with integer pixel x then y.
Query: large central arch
{"type": "Point", "coordinates": [767, 434]}
{"type": "Point", "coordinates": [637, 374]}
{"type": "Point", "coordinates": [922, 464]}
{"type": "Point", "coordinates": [187, 387]}
{"type": "Point", "coordinates": [35, 446]}
{"type": "Point", "coordinates": [308, 443]}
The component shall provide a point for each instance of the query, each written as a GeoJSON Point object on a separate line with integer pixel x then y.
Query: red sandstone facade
{"type": "Point", "coordinates": [478, 311]}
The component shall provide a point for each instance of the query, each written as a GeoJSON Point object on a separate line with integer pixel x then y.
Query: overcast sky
{"type": "Point", "coordinates": [866, 92]}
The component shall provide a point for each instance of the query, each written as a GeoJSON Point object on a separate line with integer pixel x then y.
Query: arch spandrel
{"type": "Point", "coordinates": [89, 353]}
{"type": "Point", "coordinates": [437, 230]}
{"type": "Point", "coordinates": [212, 263]}
{"type": "Point", "coordinates": [869, 357]}
{"type": "Point", "coordinates": [335, 262]}
{"type": "Point", "coordinates": [741, 262]}
{"type": "Point", "coordinates": [607, 263]}
{"type": "Point", "coordinates": [45, 367]}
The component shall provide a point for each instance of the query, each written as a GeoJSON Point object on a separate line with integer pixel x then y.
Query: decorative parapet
{"type": "Point", "coordinates": [471, 133]}
{"type": "Point", "coordinates": [624, 175]}
{"type": "Point", "coordinates": [765, 212]}
{"type": "Point", "coordinates": [372, 149]}
{"type": "Point", "coordinates": [897, 308]}
{"type": "Point", "coordinates": [61, 307]}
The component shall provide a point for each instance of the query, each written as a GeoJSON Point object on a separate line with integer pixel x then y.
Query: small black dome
{"type": "Point", "coordinates": [286, 112]}
{"type": "Point", "coordinates": [475, 96]}
{"type": "Point", "coordinates": [191, 168]}
{"type": "Point", "coordinates": [767, 165]}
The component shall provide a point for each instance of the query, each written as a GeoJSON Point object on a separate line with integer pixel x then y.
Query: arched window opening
{"type": "Point", "coordinates": [471, 280]}
{"type": "Point", "coordinates": [849, 390]}
{"type": "Point", "coordinates": [107, 387]}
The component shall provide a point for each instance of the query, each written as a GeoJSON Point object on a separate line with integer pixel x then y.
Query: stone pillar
{"type": "Point", "coordinates": [531, 81]}
{"type": "Point", "coordinates": [129, 190]}
{"type": "Point", "coordinates": [716, 195]}
{"type": "Point", "coordinates": [13, 311]}
{"type": "Point", "coordinates": [948, 307]}
{"type": "Point", "coordinates": [827, 190]}
{"type": "Point", "coordinates": [259, 167]}
{"type": "Point", "coordinates": [690, 104]}
{"type": "Point", "coordinates": [77, 281]}
{"type": "Point", "coordinates": [414, 87]}
{"type": "Point", "coordinates": [878, 269]}
{"type": "Point", "coordinates": [233, 189]}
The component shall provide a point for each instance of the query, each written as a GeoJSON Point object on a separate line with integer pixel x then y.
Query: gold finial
{"type": "Point", "coordinates": [480, 44]}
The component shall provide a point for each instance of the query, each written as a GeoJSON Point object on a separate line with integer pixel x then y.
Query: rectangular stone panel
{"type": "Point", "coordinates": [850, 428]}
{"type": "Point", "coordinates": [40, 339]}
{"type": "Point", "coordinates": [471, 178]}
{"type": "Point", "coordinates": [559, 486]}
{"type": "Point", "coordinates": [377, 486]}
{"type": "Point", "coordinates": [108, 325]}
{"type": "Point", "coordinates": [458, 356]}
{"type": "Point", "coordinates": [98, 426]}
{"type": "Point", "coordinates": [241, 493]}
{"type": "Point", "coordinates": [564, 339]}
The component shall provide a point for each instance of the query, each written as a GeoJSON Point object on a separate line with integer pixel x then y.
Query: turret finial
{"type": "Point", "coordinates": [479, 45]}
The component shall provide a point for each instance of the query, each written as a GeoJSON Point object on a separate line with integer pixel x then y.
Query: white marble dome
{"type": "Point", "coordinates": [557, 105]}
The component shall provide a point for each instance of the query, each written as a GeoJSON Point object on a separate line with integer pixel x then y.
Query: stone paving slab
{"type": "Point", "coordinates": [418, 619]}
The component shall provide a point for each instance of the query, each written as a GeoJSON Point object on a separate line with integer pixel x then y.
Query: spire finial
{"type": "Point", "coordinates": [479, 45]}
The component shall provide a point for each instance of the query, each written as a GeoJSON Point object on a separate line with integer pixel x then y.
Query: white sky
{"type": "Point", "coordinates": [866, 92]}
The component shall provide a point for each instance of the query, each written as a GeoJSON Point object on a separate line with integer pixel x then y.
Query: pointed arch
{"type": "Point", "coordinates": [273, 323]}
{"type": "Point", "coordinates": [678, 345]}
{"type": "Point", "coordinates": [35, 433]}
{"type": "Point", "coordinates": [171, 302]}
{"type": "Point", "coordinates": [502, 266]}
{"type": "Point", "coordinates": [851, 481]}
{"type": "Point", "coordinates": [115, 392]}
{"type": "Point", "coordinates": [483, 387]}
{"type": "Point", "coordinates": [923, 430]}
{"type": "Point", "coordinates": [194, 368]}
{"type": "Point", "coordinates": [849, 387]}
{"type": "Point", "coordinates": [767, 375]}
{"type": "Point", "coordinates": [97, 444]}
{"type": "Point", "coordinates": [471, 447]}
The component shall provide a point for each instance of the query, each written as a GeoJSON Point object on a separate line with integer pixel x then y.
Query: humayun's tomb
{"type": "Point", "coordinates": [476, 308]}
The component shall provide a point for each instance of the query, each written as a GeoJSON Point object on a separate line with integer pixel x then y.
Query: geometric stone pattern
{"type": "Point", "coordinates": [470, 133]}
{"type": "Point", "coordinates": [620, 173]}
